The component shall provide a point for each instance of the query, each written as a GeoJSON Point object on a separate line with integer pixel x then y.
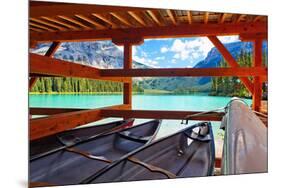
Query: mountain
{"type": "Point", "coordinates": [213, 59]}
{"type": "Point", "coordinates": [100, 54]}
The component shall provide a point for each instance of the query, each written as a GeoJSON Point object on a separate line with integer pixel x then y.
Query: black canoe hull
{"type": "Point", "coordinates": [170, 157]}
{"type": "Point", "coordinates": [66, 167]}
{"type": "Point", "coordinates": [53, 142]}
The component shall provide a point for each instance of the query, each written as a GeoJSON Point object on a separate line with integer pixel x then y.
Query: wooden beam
{"type": "Point", "coordinates": [230, 60]}
{"type": "Point", "coordinates": [122, 19]}
{"type": "Point", "coordinates": [65, 9]}
{"type": "Point", "coordinates": [137, 17]}
{"type": "Point", "coordinates": [186, 30]}
{"type": "Point", "coordinates": [55, 67]}
{"type": "Point", "coordinates": [189, 17]}
{"type": "Point", "coordinates": [51, 51]}
{"type": "Point", "coordinates": [206, 17]}
{"type": "Point", "coordinates": [41, 127]}
{"type": "Point", "coordinates": [222, 18]}
{"type": "Point", "coordinates": [186, 72]}
{"type": "Point", "coordinates": [240, 17]}
{"type": "Point", "coordinates": [96, 24]}
{"type": "Point", "coordinates": [252, 37]}
{"type": "Point", "coordinates": [257, 95]}
{"type": "Point", "coordinates": [160, 114]}
{"type": "Point", "coordinates": [41, 27]}
{"type": "Point", "coordinates": [154, 17]}
{"type": "Point", "coordinates": [75, 22]}
{"type": "Point", "coordinates": [128, 62]}
{"type": "Point", "coordinates": [104, 19]}
{"type": "Point", "coordinates": [32, 82]}
{"type": "Point", "coordinates": [52, 111]}
{"type": "Point", "coordinates": [172, 16]}
{"type": "Point", "coordinates": [47, 24]}
{"type": "Point", "coordinates": [61, 23]}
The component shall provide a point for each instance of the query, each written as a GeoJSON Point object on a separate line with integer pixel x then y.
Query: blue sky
{"type": "Point", "coordinates": [172, 53]}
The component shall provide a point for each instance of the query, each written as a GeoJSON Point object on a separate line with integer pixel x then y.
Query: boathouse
{"type": "Point", "coordinates": [129, 26]}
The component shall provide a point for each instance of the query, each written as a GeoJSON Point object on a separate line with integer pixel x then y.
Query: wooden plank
{"type": "Point", "coordinates": [172, 16]}
{"type": "Point", "coordinates": [257, 95]}
{"type": "Point", "coordinates": [60, 23]}
{"type": "Point", "coordinates": [206, 17]}
{"type": "Point", "coordinates": [68, 9]}
{"type": "Point", "coordinates": [104, 19]}
{"type": "Point", "coordinates": [154, 17]}
{"type": "Point", "coordinates": [161, 114]}
{"type": "Point", "coordinates": [51, 51]}
{"type": "Point", "coordinates": [47, 24]}
{"type": "Point", "coordinates": [189, 17]}
{"type": "Point", "coordinates": [54, 67]}
{"type": "Point", "coordinates": [184, 30]}
{"type": "Point", "coordinates": [96, 24]}
{"type": "Point", "coordinates": [52, 111]}
{"type": "Point", "coordinates": [128, 87]}
{"type": "Point", "coordinates": [41, 27]}
{"type": "Point", "coordinates": [122, 19]}
{"type": "Point", "coordinates": [222, 18]}
{"type": "Point", "coordinates": [251, 37]}
{"type": "Point", "coordinates": [137, 17]}
{"type": "Point", "coordinates": [230, 60]}
{"type": "Point", "coordinates": [41, 127]}
{"type": "Point", "coordinates": [75, 22]}
{"type": "Point", "coordinates": [186, 72]}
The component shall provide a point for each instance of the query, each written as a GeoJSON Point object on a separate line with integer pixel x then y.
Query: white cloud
{"type": "Point", "coordinates": [160, 58]}
{"type": "Point", "coordinates": [146, 61]}
{"type": "Point", "coordinates": [164, 49]}
{"type": "Point", "coordinates": [229, 39]}
{"type": "Point", "coordinates": [174, 61]}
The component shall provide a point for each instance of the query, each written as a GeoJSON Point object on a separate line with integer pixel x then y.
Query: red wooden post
{"type": "Point", "coordinates": [257, 95]}
{"type": "Point", "coordinates": [127, 87]}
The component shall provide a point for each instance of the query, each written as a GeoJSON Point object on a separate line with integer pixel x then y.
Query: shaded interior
{"type": "Point", "coordinates": [180, 155]}
{"type": "Point", "coordinates": [69, 137]}
{"type": "Point", "coordinates": [64, 167]}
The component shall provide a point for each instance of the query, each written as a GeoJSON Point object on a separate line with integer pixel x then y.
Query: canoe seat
{"type": "Point", "coordinates": [130, 136]}
{"type": "Point", "coordinates": [68, 140]}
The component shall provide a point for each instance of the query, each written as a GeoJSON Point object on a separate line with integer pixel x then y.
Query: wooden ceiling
{"type": "Point", "coordinates": [53, 17]}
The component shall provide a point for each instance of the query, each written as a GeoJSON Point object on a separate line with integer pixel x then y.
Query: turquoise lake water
{"type": "Point", "coordinates": [140, 102]}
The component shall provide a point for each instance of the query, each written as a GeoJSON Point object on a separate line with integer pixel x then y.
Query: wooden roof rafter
{"type": "Point", "coordinates": [48, 24]}
{"type": "Point", "coordinates": [122, 19]}
{"type": "Point", "coordinates": [91, 21]}
{"type": "Point", "coordinates": [206, 17]}
{"type": "Point", "coordinates": [172, 16]}
{"type": "Point", "coordinates": [60, 23]}
{"type": "Point", "coordinates": [105, 19]}
{"type": "Point", "coordinates": [73, 21]}
{"type": "Point", "coordinates": [137, 17]}
{"type": "Point", "coordinates": [154, 17]}
{"type": "Point", "coordinates": [189, 17]}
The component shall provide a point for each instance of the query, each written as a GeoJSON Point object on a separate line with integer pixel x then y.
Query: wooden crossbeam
{"type": "Point", "coordinates": [96, 24]}
{"type": "Point", "coordinates": [41, 26]}
{"type": "Point", "coordinates": [51, 10]}
{"type": "Point", "coordinates": [172, 16]}
{"type": "Point", "coordinates": [71, 20]}
{"type": "Point", "coordinates": [47, 24]}
{"type": "Point", "coordinates": [186, 30]}
{"type": "Point", "coordinates": [160, 114]}
{"type": "Point", "coordinates": [122, 19]}
{"type": "Point", "coordinates": [187, 72]}
{"type": "Point", "coordinates": [189, 17]}
{"type": "Point", "coordinates": [41, 127]}
{"type": "Point", "coordinates": [206, 17]}
{"type": "Point", "coordinates": [60, 23]}
{"type": "Point", "coordinates": [252, 37]}
{"type": "Point", "coordinates": [230, 60]}
{"type": "Point", "coordinates": [137, 17]}
{"type": "Point", "coordinates": [51, 51]}
{"type": "Point", "coordinates": [51, 111]}
{"type": "Point", "coordinates": [54, 67]}
{"type": "Point", "coordinates": [104, 19]}
{"type": "Point", "coordinates": [154, 17]}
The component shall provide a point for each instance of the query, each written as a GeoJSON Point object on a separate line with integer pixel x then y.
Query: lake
{"type": "Point", "coordinates": [198, 102]}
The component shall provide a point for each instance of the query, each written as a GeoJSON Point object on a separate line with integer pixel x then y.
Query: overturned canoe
{"type": "Point", "coordinates": [188, 153]}
{"type": "Point", "coordinates": [50, 143]}
{"type": "Point", "coordinates": [245, 141]}
{"type": "Point", "coordinates": [73, 164]}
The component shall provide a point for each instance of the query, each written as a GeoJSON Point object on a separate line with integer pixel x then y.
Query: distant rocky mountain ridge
{"type": "Point", "coordinates": [103, 54]}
